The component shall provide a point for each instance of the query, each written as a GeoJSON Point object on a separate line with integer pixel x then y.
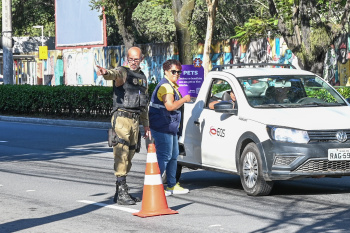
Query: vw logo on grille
{"type": "Point", "coordinates": [341, 136]}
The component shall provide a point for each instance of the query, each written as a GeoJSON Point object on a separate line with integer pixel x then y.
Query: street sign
{"type": "Point", "coordinates": [43, 52]}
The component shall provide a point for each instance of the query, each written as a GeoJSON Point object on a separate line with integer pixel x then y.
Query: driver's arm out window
{"type": "Point", "coordinates": [217, 88]}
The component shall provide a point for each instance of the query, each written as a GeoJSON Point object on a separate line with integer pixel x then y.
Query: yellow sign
{"type": "Point", "coordinates": [43, 52]}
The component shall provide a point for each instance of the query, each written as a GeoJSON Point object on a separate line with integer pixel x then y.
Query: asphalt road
{"type": "Point", "coordinates": [60, 179]}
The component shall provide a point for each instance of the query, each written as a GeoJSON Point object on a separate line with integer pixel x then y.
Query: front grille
{"type": "Point", "coordinates": [325, 135]}
{"type": "Point", "coordinates": [284, 160]}
{"type": "Point", "coordinates": [317, 166]}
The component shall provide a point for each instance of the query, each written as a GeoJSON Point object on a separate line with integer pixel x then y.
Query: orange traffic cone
{"type": "Point", "coordinates": [153, 197]}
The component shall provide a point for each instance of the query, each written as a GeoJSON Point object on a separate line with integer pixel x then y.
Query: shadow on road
{"type": "Point", "coordinates": [23, 224]}
{"type": "Point", "coordinates": [291, 203]}
{"type": "Point", "coordinates": [198, 179]}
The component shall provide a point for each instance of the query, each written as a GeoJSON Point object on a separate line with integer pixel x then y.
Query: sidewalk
{"type": "Point", "coordinates": [45, 121]}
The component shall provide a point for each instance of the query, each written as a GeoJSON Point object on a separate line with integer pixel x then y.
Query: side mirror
{"type": "Point", "coordinates": [225, 107]}
{"type": "Point", "coordinates": [347, 99]}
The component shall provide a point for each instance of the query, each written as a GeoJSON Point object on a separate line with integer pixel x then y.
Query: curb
{"type": "Point", "coordinates": [45, 121]}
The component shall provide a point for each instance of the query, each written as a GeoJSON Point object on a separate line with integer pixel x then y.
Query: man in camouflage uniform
{"type": "Point", "coordinates": [130, 106]}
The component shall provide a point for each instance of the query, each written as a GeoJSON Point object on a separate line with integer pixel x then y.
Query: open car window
{"type": "Point", "coordinates": [217, 90]}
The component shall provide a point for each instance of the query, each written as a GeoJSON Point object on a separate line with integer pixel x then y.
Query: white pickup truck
{"type": "Point", "coordinates": [278, 129]}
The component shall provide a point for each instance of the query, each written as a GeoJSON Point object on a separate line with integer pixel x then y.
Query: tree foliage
{"type": "Point", "coordinates": [255, 28]}
{"type": "Point", "coordinates": [154, 22]}
{"type": "Point", "coordinates": [122, 11]}
{"type": "Point", "coordinates": [28, 13]}
{"type": "Point", "coordinates": [228, 15]}
{"type": "Point", "coordinates": [113, 35]}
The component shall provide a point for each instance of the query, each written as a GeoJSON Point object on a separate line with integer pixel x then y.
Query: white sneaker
{"type": "Point", "coordinates": [177, 189]}
{"type": "Point", "coordinates": [167, 193]}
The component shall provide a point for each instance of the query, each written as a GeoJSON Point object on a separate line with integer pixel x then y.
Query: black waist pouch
{"type": "Point", "coordinates": [112, 138]}
{"type": "Point", "coordinates": [138, 144]}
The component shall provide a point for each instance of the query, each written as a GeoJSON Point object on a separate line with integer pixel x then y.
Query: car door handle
{"type": "Point", "coordinates": [196, 122]}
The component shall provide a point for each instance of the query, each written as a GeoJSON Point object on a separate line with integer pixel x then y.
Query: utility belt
{"type": "Point", "coordinates": [130, 115]}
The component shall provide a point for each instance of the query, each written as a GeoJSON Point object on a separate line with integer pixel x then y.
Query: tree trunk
{"type": "Point", "coordinates": [125, 28]}
{"type": "Point", "coordinates": [182, 11]}
{"type": "Point", "coordinates": [305, 32]}
{"type": "Point", "coordinates": [128, 36]}
{"type": "Point", "coordinates": [212, 4]}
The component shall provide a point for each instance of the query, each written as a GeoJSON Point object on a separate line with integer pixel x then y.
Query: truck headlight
{"type": "Point", "coordinates": [288, 135]}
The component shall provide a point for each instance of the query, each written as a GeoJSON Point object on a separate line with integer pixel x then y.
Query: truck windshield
{"type": "Point", "coordinates": [289, 92]}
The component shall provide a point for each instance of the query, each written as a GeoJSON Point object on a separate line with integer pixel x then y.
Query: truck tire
{"type": "Point", "coordinates": [178, 174]}
{"type": "Point", "coordinates": [250, 171]}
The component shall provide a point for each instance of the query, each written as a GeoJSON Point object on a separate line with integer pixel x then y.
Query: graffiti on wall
{"type": "Point", "coordinates": [78, 66]}
{"type": "Point", "coordinates": [336, 69]}
{"type": "Point", "coordinates": [258, 51]}
{"type": "Point", "coordinates": [154, 57]}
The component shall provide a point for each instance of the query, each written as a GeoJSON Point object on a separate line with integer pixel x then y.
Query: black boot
{"type": "Point", "coordinates": [116, 192]}
{"type": "Point", "coordinates": [123, 197]}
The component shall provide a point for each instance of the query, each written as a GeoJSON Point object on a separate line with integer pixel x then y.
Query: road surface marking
{"type": "Point", "coordinates": [109, 206]}
{"type": "Point", "coordinates": [30, 190]}
{"type": "Point", "coordinates": [216, 225]}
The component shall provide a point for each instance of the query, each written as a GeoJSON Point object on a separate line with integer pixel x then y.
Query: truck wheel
{"type": "Point", "coordinates": [251, 172]}
{"type": "Point", "coordinates": [178, 174]}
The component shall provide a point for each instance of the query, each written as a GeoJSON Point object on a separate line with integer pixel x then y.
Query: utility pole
{"type": "Point", "coordinates": [6, 37]}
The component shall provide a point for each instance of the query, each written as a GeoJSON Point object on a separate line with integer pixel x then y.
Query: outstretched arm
{"type": "Point", "coordinates": [119, 74]}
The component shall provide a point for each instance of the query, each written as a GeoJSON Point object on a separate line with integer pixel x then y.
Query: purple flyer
{"type": "Point", "coordinates": [190, 80]}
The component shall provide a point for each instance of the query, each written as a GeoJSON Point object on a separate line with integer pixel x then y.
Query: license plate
{"type": "Point", "coordinates": [339, 154]}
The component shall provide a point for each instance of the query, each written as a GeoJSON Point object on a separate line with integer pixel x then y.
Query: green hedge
{"type": "Point", "coordinates": [71, 101]}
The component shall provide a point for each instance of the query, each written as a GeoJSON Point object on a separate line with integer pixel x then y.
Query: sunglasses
{"type": "Point", "coordinates": [176, 72]}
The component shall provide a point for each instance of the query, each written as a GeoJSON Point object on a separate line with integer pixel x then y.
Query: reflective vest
{"type": "Point", "coordinates": [160, 119]}
{"type": "Point", "coordinates": [132, 95]}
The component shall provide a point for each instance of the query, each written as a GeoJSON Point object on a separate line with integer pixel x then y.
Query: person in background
{"type": "Point", "coordinates": [233, 101]}
{"type": "Point", "coordinates": [130, 105]}
{"type": "Point", "coordinates": [164, 119]}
